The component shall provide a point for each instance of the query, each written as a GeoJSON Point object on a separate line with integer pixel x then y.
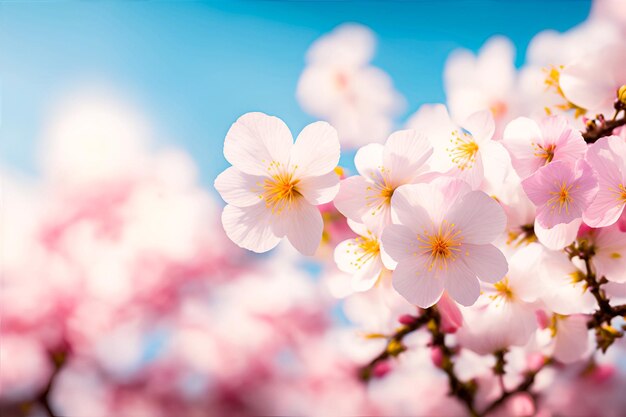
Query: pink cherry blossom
{"type": "Point", "coordinates": [274, 184]}
{"type": "Point", "coordinates": [607, 157]}
{"type": "Point", "coordinates": [444, 242]}
{"type": "Point", "coordinates": [533, 145]}
{"type": "Point", "coordinates": [366, 198]}
{"type": "Point", "coordinates": [561, 191]}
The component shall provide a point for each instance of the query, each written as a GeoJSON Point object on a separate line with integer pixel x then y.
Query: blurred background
{"type": "Point", "coordinates": [121, 294]}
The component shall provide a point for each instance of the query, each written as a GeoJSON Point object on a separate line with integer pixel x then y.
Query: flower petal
{"type": "Point", "coordinates": [255, 141]}
{"type": "Point", "coordinates": [479, 218]}
{"type": "Point", "coordinates": [412, 281]}
{"type": "Point", "coordinates": [316, 151]}
{"type": "Point", "coordinates": [486, 261]}
{"type": "Point", "coordinates": [351, 200]}
{"type": "Point", "coordinates": [461, 283]}
{"type": "Point", "coordinates": [400, 242]}
{"type": "Point", "coordinates": [304, 226]}
{"type": "Point", "coordinates": [406, 152]}
{"type": "Point", "coordinates": [238, 188]}
{"type": "Point", "coordinates": [321, 189]}
{"type": "Point", "coordinates": [369, 160]}
{"type": "Point", "coordinates": [250, 227]}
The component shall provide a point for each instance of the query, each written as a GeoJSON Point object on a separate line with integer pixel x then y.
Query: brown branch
{"type": "Point", "coordinates": [524, 386]}
{"type": "Point", "coordinates": [600, 127]}
{"type": "Point", "coordinates": [601, 319]}
{"type": "Point", "coordinates": [394, 346]}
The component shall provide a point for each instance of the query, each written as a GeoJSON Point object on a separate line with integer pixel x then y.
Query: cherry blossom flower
{"type": "Point", "coordinates": [504, 315]}
{"type": "Point", "coordinates": [609, 248]}
{"type": "Point", "coordinates": [274, 184]}
{"type": "Point", "coordinates": [467, 151]}
{"type": "Point", "coordinates": [561, 191]}
{"type": "Point", "coordinates": [340, 86]}
{"type": "Point", "coordinates": [607, 157]}
{"type": "Point", "coordinates": [592, 81]}
{"type": "Point", "coordinates": [483, 82]}
{"type": "Point", "coordinates": [362, 257]}
{"type": "Point", "coordinates": [444, 242]}
{"type": "Point", "coordinates": [533, 145]}
{"type": "Point", "coordinates": [366, 198]}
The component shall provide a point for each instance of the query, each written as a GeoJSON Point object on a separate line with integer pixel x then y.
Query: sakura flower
{"type": "Point", "coordinates": [274, 184]}
{"type": "Point", "coordinates": [532, 145]}
{"type": "Point", "coordinates": [483, 82]}
{"type": "Point", "coordinates": [504, 315]}
{"type": "Point", "coordinates": [467, 151]}
{"type": "Point", "coordinates": [608, 159]}
{"type": "Point", "coordinates": [443, 241]}
{"type": "Point", "coordinates": [592, 81]}
{"type": "Point", "coordinates": [561, 191]}
{"type": "Point", "coordinates": [339, 85]}
{"type": "Point", "coordinates": [570, 337]}
{"type": "Point", "coordinates": [366, 198]}
{"type": "Point", "coordinates": [362, 256]}
{"type": "Point", "coordinates": [609, 248]}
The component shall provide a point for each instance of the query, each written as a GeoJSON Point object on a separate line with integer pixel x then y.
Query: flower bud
{"type": "Point", "coordinates": [381, 369]}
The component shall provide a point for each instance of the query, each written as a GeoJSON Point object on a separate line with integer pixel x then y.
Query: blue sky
{"type": "Point", "coordinates": [194, 67]}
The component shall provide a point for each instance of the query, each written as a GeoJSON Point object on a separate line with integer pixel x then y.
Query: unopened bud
{"type": "Point", "coordinates": [436, 355]}
{"type": "Point", "coordinates": [381, 369]}
{"type": "Point", "coordinates": [407, 319]}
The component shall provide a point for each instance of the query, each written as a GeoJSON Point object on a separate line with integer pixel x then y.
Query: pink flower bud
{"type": "Point", "coordinates": [602, 373]}
{"type": "Point", "coordinates": [381, 369]}
{"type": "Point", "coordinates": [406, 319]}
{"type": "Point", "coordinates": [436, 355]}
{"type": "Point", "coordinates": [451, 317]}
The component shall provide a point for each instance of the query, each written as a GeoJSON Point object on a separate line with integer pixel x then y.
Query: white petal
{"type": "Point", "coordinates": [481, 125]}
{"type": "Point", "coordinates": [250, 227]}
{"type": "Point", "coordinates": [367, 275]}
{"type": "Point", "coordinates": [257, 140]}
{"type": "Point", "coordinates": [407, 209]}
{"type": "Point", "coordinates": [486, 261]}
{"type": "Point", "coordinates": [369, 160]}
{"type": "Point", "coordinates": [405, 154]}
{"type": "Point", "coordinates": [321, 189]}
{"type": "Point", "coordinates": [351, 200]}
{"type": "Point", "coordinates": [344, 255]}
{"type": "Point", "coordinates": [304, 227]}
{"type": "Point", "coordinates": [559, 236]}
{"type": "Point", "coordinates": [411, 281]}
{"type": "Point", "coordinates": [479, 218]}
{"type": "Point", "coordinates": [316, 151]}
{"type": "Point", "coordinates": [238, 188]}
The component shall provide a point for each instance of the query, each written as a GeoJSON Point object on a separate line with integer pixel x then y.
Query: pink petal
{"type": "Point", "coordinates": [369, 160]}
{"type": "Point", "coordinates": [399, 242]}
{"type": "Point", "coordinates": [415, 284]}
{"type": "Point", "coordinates": [407, 209]}
{"type": "Point", "coordinates": [519, 136]}
{"type": "Point", "coordinates": [351, 200]}
{"type": "Point", "coordinates": [479, 218]}
{"type": "Point", "coordinates": [461, 283]}
{"type": "Point", "coordinates": [571, 339]}
{"type": "Point", "coordinates": [486, 261]}
{"type": "Point", "coordinates": [559, 236]}
{"type": "Point", "coordinates": [481, 125]}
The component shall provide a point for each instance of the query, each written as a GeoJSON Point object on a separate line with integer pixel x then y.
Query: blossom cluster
{"type": "Point", "coordinates": [499, 216]}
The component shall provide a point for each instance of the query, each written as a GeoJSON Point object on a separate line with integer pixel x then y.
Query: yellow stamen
{"type": "Point", "coordinates": [441, 247]}
{"type": "Point", "coordinates": [503, 289]}
{"type": "Point", "coordinates": [552, 82]}
{"type": "Point", "coordinates": [280, 191]}
{"type": "Point", "coordinates": [380, 193]}
{"type": "Point", "coordinates": [463, 150]}
{"type": "Point", "coordinates": [561, 199]}
{"type": "Point", "coordinates": [545, 152]}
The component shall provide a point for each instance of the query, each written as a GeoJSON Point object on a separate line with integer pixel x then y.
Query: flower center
{"type": "Point", "coordinates": [561, 199]}
{"type": "Point", "coordinates": [503, 289]}
{"type": "Point", "coordinates": [545, 152]}
{"type": "Point", "coordinates": [442, 246]}
{"type": "Point", "coordinates": [367, 248]}
{"type": "Point", "coordinates": [280, 191]}
{"type": "Point", "coordinates": [380, 193]}
{"type": "Point", "coordinates": [621, 193]}
{"type": "Point", "coordinates": [463, 151]}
